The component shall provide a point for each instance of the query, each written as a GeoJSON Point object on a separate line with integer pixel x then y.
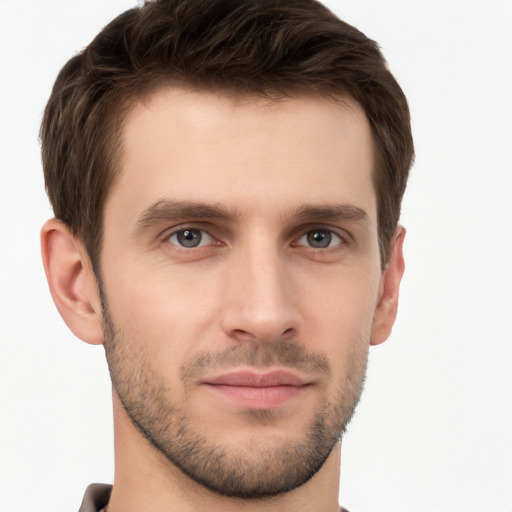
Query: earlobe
{"type": "Point", "coordinates": [72, 282]}
{"type": "Point", "coordinates": [387, 307]}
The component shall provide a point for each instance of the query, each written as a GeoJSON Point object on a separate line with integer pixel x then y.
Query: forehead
{"type": "Point", "coordinates": [248, 152]}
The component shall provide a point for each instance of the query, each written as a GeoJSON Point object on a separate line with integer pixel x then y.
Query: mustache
{"type": "Point", "coordinates": [259, 355]}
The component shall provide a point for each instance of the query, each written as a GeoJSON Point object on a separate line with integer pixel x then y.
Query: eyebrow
{"type": "Point", "coordinates": [331, 212]}
{"type": "Point", "coordinates": [165, 210]}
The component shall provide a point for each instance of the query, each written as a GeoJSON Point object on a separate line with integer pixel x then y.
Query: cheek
{"type": "Point", "coordinates": [343, 298]}
{"type": "Point", "coordinates": [339, 315]}
{"type": "Point", "coordinates": [166, 310]}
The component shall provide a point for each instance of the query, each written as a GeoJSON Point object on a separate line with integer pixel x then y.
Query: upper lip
{"type": "Point", "coordinates": [251, 378]}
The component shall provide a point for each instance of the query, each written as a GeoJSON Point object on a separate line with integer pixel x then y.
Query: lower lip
{"type": "Point", "coordinates": [257, 397]}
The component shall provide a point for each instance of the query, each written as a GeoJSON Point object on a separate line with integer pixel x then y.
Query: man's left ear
{"type": "Point", "coordinates": [387, 307]}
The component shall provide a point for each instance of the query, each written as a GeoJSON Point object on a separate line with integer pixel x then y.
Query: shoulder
{"type": "Point", "coordinates": [95, 498]}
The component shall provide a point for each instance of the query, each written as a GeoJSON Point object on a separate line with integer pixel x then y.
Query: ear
{"type": "Point", "coordinates": [387, 307]}
{"type": "Point", "coordinates": [72, 282]}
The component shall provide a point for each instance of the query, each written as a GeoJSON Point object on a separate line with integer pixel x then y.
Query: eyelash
{"type": "Point", "coordinates": [328, 233]}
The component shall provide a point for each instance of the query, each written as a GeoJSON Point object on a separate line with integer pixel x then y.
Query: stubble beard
{"type": "Point", "coordinates": [249, 472]}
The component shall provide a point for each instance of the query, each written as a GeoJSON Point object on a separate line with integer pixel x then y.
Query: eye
{"type": "Point", "coordinates": [190, 238]}
{"type": "Point", "coordinates": [320, 239]}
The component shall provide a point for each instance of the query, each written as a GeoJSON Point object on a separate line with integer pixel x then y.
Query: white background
{"type": "Point", "coordinates": [434, 429]}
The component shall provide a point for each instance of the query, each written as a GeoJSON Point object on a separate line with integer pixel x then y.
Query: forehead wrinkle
{"type": "Point", "coordinates": [167, 209]}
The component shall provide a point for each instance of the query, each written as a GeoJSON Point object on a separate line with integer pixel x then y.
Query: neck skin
{"type": "Point", "coordinates": [145, 481]}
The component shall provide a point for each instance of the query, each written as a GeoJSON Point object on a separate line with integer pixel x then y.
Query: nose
{"type": "Point", "coordinates": [259, 301]}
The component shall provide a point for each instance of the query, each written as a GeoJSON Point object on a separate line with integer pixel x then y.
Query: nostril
{"type": "Point", "coordinates": [242, 335]}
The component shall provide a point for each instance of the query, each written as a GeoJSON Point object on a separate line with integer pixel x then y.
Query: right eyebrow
{"type": "Point", "coordinates": [167, 210]}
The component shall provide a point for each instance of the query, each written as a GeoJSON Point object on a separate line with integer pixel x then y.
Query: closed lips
{"type": "Point", "coordinates": [258, 380]}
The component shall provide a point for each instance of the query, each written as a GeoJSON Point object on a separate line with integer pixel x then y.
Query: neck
{"type": "Point", "coordinates": [145, 481]}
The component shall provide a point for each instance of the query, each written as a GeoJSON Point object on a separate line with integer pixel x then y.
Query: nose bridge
{"type": "Point", "coordinates": [260, 301]}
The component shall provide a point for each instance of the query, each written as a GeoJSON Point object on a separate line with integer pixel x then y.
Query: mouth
{"type": "Point", "coordinates": [255, 390]}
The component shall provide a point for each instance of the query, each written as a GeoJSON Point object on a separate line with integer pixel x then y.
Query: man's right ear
{"type": "Point", "coordinates": [72, 281]}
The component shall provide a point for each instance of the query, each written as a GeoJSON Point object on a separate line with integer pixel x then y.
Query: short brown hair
{"type": "Point", "coordinates": [273, 48]}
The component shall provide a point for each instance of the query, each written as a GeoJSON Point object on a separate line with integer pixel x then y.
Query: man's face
{"type": "Point", "coordinates": [240, 276]}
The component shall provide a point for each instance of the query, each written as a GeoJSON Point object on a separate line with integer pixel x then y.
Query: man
{"type": "Point", "coordinates": [226, 178]}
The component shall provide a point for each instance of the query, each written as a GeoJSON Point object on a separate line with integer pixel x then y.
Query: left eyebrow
{"type": "Point", "coordinates": [331, 212]}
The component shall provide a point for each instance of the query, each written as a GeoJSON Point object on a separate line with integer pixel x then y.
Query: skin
{"type": "Point", "coordinates": [257, 284]}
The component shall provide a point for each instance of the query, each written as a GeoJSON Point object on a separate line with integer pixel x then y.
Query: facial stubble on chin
{"type": "Point", "coordinates": [249, 472]}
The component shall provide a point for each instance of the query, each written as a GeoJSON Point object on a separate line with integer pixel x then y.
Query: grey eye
{"type": "Point", "coordinates": [190, 238]}
{"type": "Point", "coordinates": [320, 239]}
